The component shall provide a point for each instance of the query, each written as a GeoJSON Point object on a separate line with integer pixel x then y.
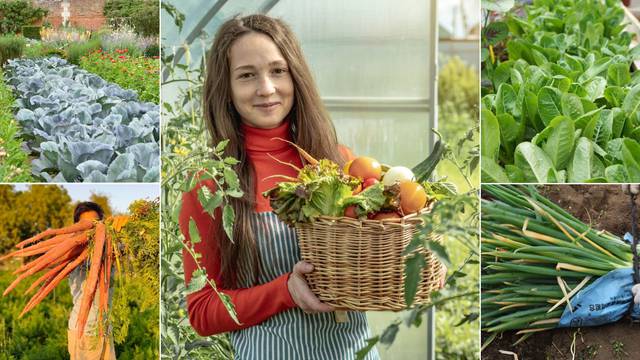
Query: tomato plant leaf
{"type": "Point", "coordinates": [194, 234]}
{"type": "Point", "coordinates": [228, 218]}
{"type": "Point", "coordinates": [413, 275]}
{"type": "Point", "coordinates": [362, 353]}
{"type": "Point", "coordinates": [197, 282]}
{"type": "Point", "coordinates": [389, 334]}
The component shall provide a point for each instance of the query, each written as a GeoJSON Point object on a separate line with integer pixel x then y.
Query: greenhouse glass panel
{"type": "Point", "coordinates": [373, 61]}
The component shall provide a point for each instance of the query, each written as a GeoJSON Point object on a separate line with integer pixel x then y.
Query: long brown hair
{"type": "Point", "coordinates": [310, 126]}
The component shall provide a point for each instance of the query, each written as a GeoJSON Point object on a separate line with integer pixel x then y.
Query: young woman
{"type": "Point", "coordinates": [258, 86]}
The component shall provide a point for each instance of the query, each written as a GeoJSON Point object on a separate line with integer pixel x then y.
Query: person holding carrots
{"type": "Point", "coordinates": [81, 252]}
{"type": "Point", "coordinates": [96, 342]}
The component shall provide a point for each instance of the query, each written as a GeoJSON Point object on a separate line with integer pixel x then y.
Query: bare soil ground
{"type": "Point", "coordinates": [606, 207]}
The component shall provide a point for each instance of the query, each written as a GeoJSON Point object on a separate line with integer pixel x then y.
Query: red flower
{"type": "Point", "coordinates": [122, 57]}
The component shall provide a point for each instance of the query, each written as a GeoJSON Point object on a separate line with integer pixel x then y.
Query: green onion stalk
{"type": "Point", "coordinates": [535, 257]}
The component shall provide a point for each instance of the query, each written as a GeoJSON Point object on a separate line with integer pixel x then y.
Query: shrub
{"type": "Point", "coordinates": [457, 113]}
{"type": "Point", "coordinates": [458, 94]}
{"type": "Point", "coordinates": [11, 46]}
{"type": "Point", "coordinates": [152, 50]}
{"type": "Point", "coordinates": [33, 50]}
{"type": "Point", "coordinates": [51, 51]}
{"type": "Point", "coordinates": [41, 49]}
{"type": "Point", "coordinates": [77, 50]}
{"type": "Point", "coordinates": [142, 15]}
{"type": "Point", "coordinates": [14, 14]}
{"type": "Point", "coordinates": [456, 74]}
{"type": "Point", "coordinates": [31, 32]}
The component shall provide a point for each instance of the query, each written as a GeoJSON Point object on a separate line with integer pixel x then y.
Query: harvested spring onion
{"type": "Point", "coordinates": [536, 257]}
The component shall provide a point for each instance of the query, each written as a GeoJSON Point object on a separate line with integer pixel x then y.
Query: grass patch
{"type": "Point", "coordinates": [11, 46]}
{"type": "Point", "coordinates": [14, 161]}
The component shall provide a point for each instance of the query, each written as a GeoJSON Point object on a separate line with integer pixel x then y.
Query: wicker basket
{"type": "Point", "coordinates": [358, 265]}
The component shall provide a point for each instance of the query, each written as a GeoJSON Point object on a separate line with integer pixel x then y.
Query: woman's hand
{"type": "Point", "coordinates": [300, 292]}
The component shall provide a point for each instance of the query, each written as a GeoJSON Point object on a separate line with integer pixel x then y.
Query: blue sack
{"type": "Point", "coordinates": [605, 301]}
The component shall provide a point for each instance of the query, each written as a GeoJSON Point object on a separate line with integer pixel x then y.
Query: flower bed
{"type": "Point", "coordinates": [82, 127]}
{"type": "Point", "coordinates": [131, 72]}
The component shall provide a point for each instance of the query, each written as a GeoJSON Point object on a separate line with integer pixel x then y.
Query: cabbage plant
{"type": "Point", "coordinates": [81, 127]}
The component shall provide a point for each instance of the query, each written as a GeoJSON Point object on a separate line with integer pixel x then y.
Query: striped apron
{"type": "Point", "coordinates": [293, 334]}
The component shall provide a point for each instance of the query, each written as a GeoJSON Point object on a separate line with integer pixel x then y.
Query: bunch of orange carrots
{"type": "Point", "coordinates": [68, 248]}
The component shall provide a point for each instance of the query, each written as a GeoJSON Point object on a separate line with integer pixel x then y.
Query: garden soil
{"type": "Point", "coordinates": [606, 207]}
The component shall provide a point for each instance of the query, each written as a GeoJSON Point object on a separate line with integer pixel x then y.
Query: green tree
{"type": "Point", "coordinates": [26, 213]}
{"type": "Point", "coordinates": [104, 203]}
{"type": "Point", "coordinates": [14, 14]}
{"type": "Point", "coordinates": [135, 303]}
{"type": "Point", "coordinates": [8, 228]}
{"type": "Point", "coordinates": [142, 15]}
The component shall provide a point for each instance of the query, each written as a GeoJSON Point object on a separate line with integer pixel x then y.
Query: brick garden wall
{"type": "Point", "coordinates": [85, 14]}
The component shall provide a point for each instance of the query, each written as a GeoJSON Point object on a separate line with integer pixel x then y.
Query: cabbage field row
{"type": "Point", "coordinates": [561, 95]}
{"type": "Point", "coordinates": [82, 128]}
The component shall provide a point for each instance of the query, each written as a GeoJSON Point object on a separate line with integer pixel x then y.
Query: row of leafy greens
{"type": "Point", "coordinates": [81, 127]}
{"type": "Point", "coordinates": [560, 95]}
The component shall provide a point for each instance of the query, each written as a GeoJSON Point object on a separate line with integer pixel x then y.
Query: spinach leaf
{"type": "Point", "coordinates": [534, 163]}
{"type": "Point", "coordinates": [559, 145]}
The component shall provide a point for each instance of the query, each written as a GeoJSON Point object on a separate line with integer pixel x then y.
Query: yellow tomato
{"type": "Point", "coordinates": [412, 197]}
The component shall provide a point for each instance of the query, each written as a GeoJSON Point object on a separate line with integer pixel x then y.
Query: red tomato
{"type": "Point", "coordinates": [364, 167]}
{"type": "Point", "coordinates": [412, 197]}
{"type": "Point", "coordinates": [369, 182]}
{"type": "Point", "coordinates": [350, 211]}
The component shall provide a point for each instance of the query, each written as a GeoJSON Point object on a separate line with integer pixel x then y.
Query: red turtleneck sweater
{"type": "Point", "coordinates": [207, 313]}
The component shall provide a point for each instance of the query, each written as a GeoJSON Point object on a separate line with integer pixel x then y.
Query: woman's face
{"type": "Point", "coordinates": [261, 85]}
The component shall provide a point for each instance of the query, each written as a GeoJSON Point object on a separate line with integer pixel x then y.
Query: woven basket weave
{"type": "Point", "coordinates": [358, 265]}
